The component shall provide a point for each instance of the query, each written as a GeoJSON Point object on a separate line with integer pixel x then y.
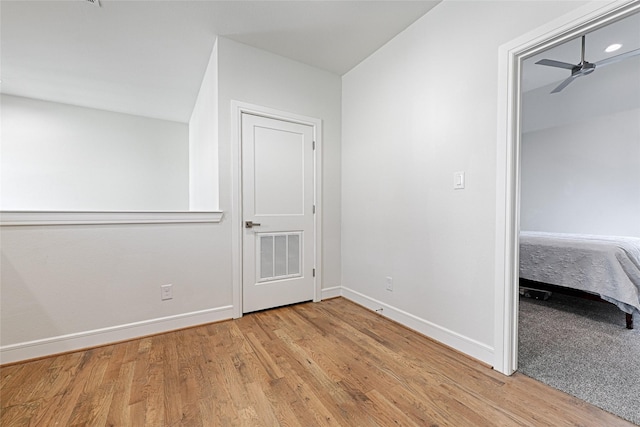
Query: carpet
{"type": "Point", "coordinates": [582, 348]}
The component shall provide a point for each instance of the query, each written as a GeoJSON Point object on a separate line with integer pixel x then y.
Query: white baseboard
{"type": "Point", "coordinates": [71, 342]}
{"type": "Point", "coordinates": [466, 345]}
{"type": "Point", "coordinates": [331, 292]}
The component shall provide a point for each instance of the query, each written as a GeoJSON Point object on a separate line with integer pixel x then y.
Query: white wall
{"type": "Point", "coordinates": [583, 177]}
{"type": "Point", "coordinates": [254, 76]}
{"type": "Point", "coordinates": [420, 108]}
{"type": "Point", "coordinates": [203, 142]}
{"type": "Point", "coordinates": [66, 287]}
{"type": "Point", "coordinates": [581, 154]}
{"type": "Point", "coordinates": [63, 157]}
{"type": "Point", "coordinates": [65, 282]}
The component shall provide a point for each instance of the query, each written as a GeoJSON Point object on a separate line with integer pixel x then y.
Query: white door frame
{"type": "Point", "coordinates": [587, 18]}
{"type": "Point", "coordinates": [237, 109]}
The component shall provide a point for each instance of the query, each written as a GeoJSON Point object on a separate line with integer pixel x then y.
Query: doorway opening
{"type": "Point", "coordinates": [579, 180]}
{"type": "Point", "coordinates": [584, 20]}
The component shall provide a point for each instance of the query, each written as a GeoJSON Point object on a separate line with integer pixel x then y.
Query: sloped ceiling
{"type": "Point", "coordinates": [148, 57]}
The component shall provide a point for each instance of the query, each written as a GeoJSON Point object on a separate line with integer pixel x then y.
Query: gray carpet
{"type": "Point", "coordinates": [582, 348]}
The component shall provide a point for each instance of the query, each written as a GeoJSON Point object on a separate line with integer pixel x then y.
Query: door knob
{"type": "Point", "coordinates": [251, 224]}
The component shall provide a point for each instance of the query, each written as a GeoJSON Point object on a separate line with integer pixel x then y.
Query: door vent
{"type": "Point", "coordinates": [279, 256]}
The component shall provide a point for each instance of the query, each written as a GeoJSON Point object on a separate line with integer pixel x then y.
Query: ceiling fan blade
{"type": "Point", "coordinates": [558, 64]}
{"type": "Point", "coordinates": [565, 83]}
{"type": "Point", "coordinates": [617, 58]}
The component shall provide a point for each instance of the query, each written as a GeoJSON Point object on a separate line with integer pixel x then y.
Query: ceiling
{"type": "Point", "coordinates": [148, 57]}
{"type": "Point", "coordinates": [606, 91]}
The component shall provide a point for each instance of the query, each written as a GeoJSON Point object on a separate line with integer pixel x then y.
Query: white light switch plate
{"type": "Point", "coordinates": [458, 180]}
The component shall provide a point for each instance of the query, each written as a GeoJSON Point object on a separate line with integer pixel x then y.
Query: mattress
{"type": "Point", "coordinates": [608, 266]}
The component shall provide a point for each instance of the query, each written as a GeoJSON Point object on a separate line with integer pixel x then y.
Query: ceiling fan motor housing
{"type": "Point", "coordinates": [583, 69]}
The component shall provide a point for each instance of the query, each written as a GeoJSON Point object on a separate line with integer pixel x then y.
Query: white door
{"type": "Point", "coordinates": [278, 213]}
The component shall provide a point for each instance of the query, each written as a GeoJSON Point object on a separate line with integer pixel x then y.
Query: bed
{"type": "Point", "coordinates": [606, 266]}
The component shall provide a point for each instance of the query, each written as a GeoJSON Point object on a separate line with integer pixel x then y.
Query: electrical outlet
{"type": "Point", "coordinates": [389, 284]}
{"type": "Point", "coordinates": [166, 292]}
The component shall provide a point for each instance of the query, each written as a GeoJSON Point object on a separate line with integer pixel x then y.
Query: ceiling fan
{"type": "Point", "coordinates": [584, 67]}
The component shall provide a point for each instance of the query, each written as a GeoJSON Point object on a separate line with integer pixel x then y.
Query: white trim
{"type": "Point", "coordinates": [98, 337]}
{"type": "Point", "coordinates": [473, 348]}
{"type": "Point", "coordinates": [584, 19]}
{"type": "Point", "coordinates": [333, 292]}
{"type": "Point", "coordinates": [237, 109]}
{"type": "Point", "coordinates": [317, 201]}
{"type": "Point", "coordinates": [22, 218]}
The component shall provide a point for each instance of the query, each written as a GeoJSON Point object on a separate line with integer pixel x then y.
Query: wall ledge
{"type": "Point", "coordinates": [29, 218]}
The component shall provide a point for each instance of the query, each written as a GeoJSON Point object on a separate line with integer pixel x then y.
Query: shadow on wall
{"type": "Point", "coordinates": [19, 306]}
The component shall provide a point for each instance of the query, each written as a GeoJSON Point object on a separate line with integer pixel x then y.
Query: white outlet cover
{"type": "Point", "coordinates": [166, 292]}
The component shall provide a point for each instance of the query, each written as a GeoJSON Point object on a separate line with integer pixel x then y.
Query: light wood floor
{"type": "Point", "coordinates": [329, 363]}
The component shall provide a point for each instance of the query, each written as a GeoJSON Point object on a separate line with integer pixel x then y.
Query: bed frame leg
{"type": "Point", "coordinates": [629, 321]}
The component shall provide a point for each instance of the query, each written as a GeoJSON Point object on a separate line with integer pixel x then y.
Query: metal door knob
{"type": "Point", "coordinates": [251, 224]}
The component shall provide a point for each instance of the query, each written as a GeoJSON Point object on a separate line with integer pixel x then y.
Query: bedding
{"type": "Point", "coordinates": [607, 266]}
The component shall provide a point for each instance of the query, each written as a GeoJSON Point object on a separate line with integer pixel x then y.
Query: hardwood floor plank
{"type": "Point", "coordinates": [216, 404]}
{"type": "Point", "coordinates": [171, 390]}
{"type": "Point", "coordinates": [313, 408]}
{"type": "Point", "coordinates": [270, 367]}
{"type": "Point", "coordinates": [139, 390]}
{"type": "Point", "coordinates": [19, 415]}
{"type": "Point", "coordinates": [154, 389]}
{"type": "Point", "coordinates": [37, 374]}
{"type": "Point", "coordinates": [331, 363]}
{"type": "Point", "coordinates": [136, 415]}
{"type": "Point", "coordinates": [119, 414]}
{"type": "Point", "coordinates": [189, 378]}
{"type": "Point", "coordinates": [36, 417]}
{"type": "Point", "coordinates": [388, 413]}
{"type": "Point", "coordinates": [283, 401]}
{"type": "Point", "coordinates": [235, 386]}
{"type": "Point", "coordinates": [256, 392]}
{"type": "Point", "coordinates": [94, 397]}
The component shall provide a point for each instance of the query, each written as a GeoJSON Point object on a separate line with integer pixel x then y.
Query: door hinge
{"type": "Point", "coordinates": [314, 272]}
{"type": "Point", "coordinates": [314, 208]}
{"type": "Point", "coordinates": [313, 145]}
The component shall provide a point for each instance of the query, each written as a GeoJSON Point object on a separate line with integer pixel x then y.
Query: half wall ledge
{"type": "Point", "coordinates": [30, 218]}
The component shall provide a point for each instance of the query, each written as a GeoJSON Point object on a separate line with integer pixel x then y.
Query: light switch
{"type": "Point", "coordinates": [458, 180]}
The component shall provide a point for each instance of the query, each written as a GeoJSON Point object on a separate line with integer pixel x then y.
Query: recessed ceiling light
{"type": "Point", "coordinates": [613, 47]}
